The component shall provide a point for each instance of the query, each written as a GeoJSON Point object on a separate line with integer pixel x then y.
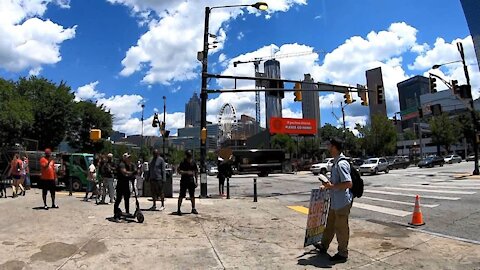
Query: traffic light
{"type": "Point", "coordinates": [298, 92]}
{"type": "Point", "coordinates": [436, 109]}
{"type": "Point", "coordinates": [465, 91]}
{"type": "Point", "coordinates": [363, 94]}
{"type": "Point", "coordinates": [380, 96]}
{"type": "Point", "coordinates": [433, 84]}
{"type": "Point", "coordinates": [203, 135]}
{"type": "Point", "coordinates": [348, 97]}
{"type": "Point", "coordinates": [455, 87]}
{"type": "Point", "coordinates": [420, 112]}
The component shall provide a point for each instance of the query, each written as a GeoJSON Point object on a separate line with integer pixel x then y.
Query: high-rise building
{"type": "Point", "coordinates": [273, 99]}
{"type": "Point", "coordinates": [409, 92]}
{"type": "Point", "coordinates": [376, 93]}
{"type": "Point", "coordinates": [192, 112]}
{"type": "Point", "coordinates": [310, 101]}
{"type": "Point", "coordinates": [471, 8]}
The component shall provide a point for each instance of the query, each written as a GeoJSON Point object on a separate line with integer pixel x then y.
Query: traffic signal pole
{"type": "Point", "coordinates": [203, 107]}
{"type": "Point", "coordinates": [344, 125]}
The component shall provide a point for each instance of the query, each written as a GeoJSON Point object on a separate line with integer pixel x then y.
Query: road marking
{"type": "Point", "coordinates": [412, 195]}
{"type": "Point", "coordinates": [433, 191]}
{"type": "Point", "coordinates": [301, 209]}
{"type": "Point", "coordinates": [380, 209]}
{"type": "Point", "coordinates": [439, 186]}
{"type": "Point", "coordinates": [398, 202]}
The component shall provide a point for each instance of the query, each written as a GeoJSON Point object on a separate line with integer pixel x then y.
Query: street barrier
{"type": "Point", "coordinates": [228, 187]}
{"type": "Point", "coordinates": [417, 217]}
{"type": "Point", "coordinates": [255, 189]}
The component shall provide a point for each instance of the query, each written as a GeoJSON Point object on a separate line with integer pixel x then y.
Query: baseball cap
{"type": "Point", "coordinates": [126, 155]}
{"type": "Point", "coordinates": [48, 151]}
{"type": "Point", "coordinates": [110, 155]}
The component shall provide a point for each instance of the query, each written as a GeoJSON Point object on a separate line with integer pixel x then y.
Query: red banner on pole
{"type": "Point", "coordinates": [293, 126]}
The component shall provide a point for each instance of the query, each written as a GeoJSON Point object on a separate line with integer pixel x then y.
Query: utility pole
{"type": "Point", "coordinates": [165, 123]}
{"type": "Point", "coordinates": [143, 108]}
{"type": "Point", "coordinates": [344, 124]}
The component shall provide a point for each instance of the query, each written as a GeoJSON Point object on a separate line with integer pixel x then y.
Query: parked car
{"type": "Point", "coordinates": [450, 159]}
{"type": "Point", "coordinates": [374, 166]}
{"type": "Point", "coordinates": [399, 163]}
{"type": "Point", "coordinates": [213, 171]}
{"type": "Point", "coordinates": [470, 158]}
{"type": "Point", "coordinates": [431, 161]}
{"type": "Point", "coordinates": [323, 168]}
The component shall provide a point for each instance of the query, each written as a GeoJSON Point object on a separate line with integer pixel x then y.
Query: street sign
{"type": "Point", "coordinates": [294, 126]}
{"type": "Point", "coordinates": [317, 216]}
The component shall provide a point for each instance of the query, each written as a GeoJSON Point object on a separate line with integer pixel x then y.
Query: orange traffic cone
{"type": "Point", "coordinates": [417, 218]}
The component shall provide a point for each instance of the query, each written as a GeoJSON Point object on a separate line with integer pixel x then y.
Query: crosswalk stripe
{"type": "Point", "coordinates": [397, 202]}
{"type": "Point", "coordinates": [301, 209]}
{"type": "Point", "coordinates": [411, 195]}
{"type": "Point", "coordinates": [380, 209]}
{"type": "Point", "coordinates": [439, 186]}
{"type": "Point", "coordinates": [433, 191]}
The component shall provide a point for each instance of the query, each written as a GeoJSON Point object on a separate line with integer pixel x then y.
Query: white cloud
{"type": "Point", "coordinates": [167, 51]}
{"type": "Point", "coordinates": [27, 41]}
{"type": "Point", "coordinates": [88, 92]}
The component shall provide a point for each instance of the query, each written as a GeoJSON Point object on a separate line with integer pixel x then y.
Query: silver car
{"type": "Point", "coordinates": [374, 166]}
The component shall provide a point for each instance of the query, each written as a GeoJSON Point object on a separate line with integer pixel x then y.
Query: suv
{"type": "Point", "coordinates": [323, 168]}
{"type": "Point", "coordinates": [374, 166]}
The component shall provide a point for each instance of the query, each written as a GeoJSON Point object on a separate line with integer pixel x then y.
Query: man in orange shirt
{"type": "Point", "coordinates": [48, 178]}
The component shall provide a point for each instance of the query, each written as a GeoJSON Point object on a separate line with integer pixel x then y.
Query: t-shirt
{"type": "Point", "coordinates": [93, 172]}
{"type": "Point", "coordinates": [187, 166]}
{"type": "Point", "coordinates": [157, 169]}
{"type": "Point", "coordinates": [47, 173]}
{"type": "Point", "coordinates": [340, 174]}
{"type": "Point", "coordinates": [130, 168]}
{"type": "Point", "coordinates": [17, 166]}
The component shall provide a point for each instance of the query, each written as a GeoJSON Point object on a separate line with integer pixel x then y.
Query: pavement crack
{"type": "Point", "coordinates": [210, 241]}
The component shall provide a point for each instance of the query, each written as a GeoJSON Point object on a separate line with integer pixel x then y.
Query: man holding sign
{"type": "Point", "coordinates": [341, 201]}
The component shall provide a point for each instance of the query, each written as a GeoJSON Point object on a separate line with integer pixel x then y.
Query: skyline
{"type": "Point", "coordinates": [128, 51]}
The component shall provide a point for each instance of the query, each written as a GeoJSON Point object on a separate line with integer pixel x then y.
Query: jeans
{"type": "Point", "coordinates": [108, 184]}
{"type": "Point", "coordinates": [337, 224]}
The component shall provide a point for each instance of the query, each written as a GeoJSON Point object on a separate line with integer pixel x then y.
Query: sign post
{"type": "Point", "coordinates": [317, 216]}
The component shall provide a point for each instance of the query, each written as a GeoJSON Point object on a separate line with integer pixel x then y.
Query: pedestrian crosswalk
{"type": "Point", "coordinates": [398, 200]}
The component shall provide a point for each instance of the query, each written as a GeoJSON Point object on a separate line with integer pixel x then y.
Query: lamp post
{"type": "Point", "coordinates": [143, 108]}
{"type": "Point", "coordinates": [472, 111]}
{"type": "Point", "coordinates": [165, 123]}
{"type": "Point", "coordinates": [203, 57]}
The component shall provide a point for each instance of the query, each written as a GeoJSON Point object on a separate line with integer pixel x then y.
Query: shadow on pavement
{"type": "Point", "coordinates": [39, 208]}
{"type": "Point", "coordinates": [316, 260]}
{"type": "Point", "coordinates": [122, 220]}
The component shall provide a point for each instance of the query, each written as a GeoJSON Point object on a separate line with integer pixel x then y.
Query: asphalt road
{"type": "Point", "coordinates": [449, 206]}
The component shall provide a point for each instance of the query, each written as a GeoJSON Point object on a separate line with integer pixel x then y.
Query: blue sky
{"type": "Point", "coordinates": [126, 52]}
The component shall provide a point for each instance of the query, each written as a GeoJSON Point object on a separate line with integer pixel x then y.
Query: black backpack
{"type": "Point", "coordinates": [357, 181]}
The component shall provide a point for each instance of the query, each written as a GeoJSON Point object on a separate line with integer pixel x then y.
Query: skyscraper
{"type": "Point", "coordinates": [273, 99]}
{"type": "Point", "coordinates": [310, 102]}
{"type": "Point", "coordinates": [409, 92]}
{"type": "Point", "coordinates": [471, 8]}
{"type": "Point", "coordinates": [192, 112]}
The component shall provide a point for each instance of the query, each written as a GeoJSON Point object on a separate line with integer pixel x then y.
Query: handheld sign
{"type": "Point", "coordinates": [317, 216]}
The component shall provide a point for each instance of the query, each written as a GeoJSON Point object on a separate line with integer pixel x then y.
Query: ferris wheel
{"type": "Point", "coordinates": [227, 122]}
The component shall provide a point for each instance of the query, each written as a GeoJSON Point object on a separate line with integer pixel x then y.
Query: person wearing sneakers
{"type": "Point", "coordinates": [126, 172]}
{"type": "Point", "coordinates": [157, 177]}
{"type": "Point", "coordinates": [340, 203]}
{"type": "Point", "coordinates": [16, 167]}
{"type": "Point", "coordinates": [48, 178]}
{"type": "Point", "coordinates": [189, 181]}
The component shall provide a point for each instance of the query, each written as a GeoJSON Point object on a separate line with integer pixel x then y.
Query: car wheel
{"type": "Point", "coordinates": [76, 185]}
{"type": "Point", "coordinates": [376, 171]}
{"type": "Point", "coordinates": [406, 166]}
{"type": "Point", "coordinates": [387, 170]}
{"type": "Point", "coordinates": [361, 174]}
{"type": "Point", "coordinates": [323, 171]}
{"type": "Point", "coordinates": [315, 174]}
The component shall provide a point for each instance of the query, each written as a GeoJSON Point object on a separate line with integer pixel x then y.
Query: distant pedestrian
{"type": "Point", "coordinates": [340, 203]}
{"type": "Point", "coordinates": [126, 172]}
{"type": "Point", "coordinates": [66, 166]}
{"type": "Point", "coordinates": [48, 178]}
{"type": "Point", "coordinates": [107, 171]}
{"type": "Point", "coordinates": [189, 181]}
{"type": "Point", "coordinates": [91, 180]}
{"type": "Point", "coordinates": [26, 166]}
{"type": "Point", "coordinates": [16, 168]}
{"type": "Point", "coordinates": [157, 177]}
{"type": "Point", "coordinates": [224, 172]}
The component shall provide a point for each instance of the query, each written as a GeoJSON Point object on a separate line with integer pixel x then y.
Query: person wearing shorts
{"type": "Point", "coordinates": [188, 182]}
{"type": "Point", "coordinates": [48, 178]}
{"type": "Point", "coordinates": [16, 168]}
{"type": "Point", "coordinates": [157, 177]}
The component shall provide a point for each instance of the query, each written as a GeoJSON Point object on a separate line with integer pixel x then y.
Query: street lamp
{"type": "Point", "coordinates": [203, 57]}
{"type": "Point", "coordinates": [143, 108]}
{"type": "Point", "coordinates": [165, 123]}
{"type": "Point", "coordinates": [474, 115]}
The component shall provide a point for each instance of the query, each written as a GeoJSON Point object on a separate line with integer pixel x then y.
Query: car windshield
{"type": "Point", "coordinates": [327, 160]}
{"type": "Point", "coordinates": [371, 161]}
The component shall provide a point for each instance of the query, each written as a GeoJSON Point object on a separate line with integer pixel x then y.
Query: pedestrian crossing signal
{"type": "Point", "coordinates": [298, 92]}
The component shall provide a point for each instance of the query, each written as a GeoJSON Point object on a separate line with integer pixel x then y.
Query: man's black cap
{"type": "Point", "coordinates": [337, 142]}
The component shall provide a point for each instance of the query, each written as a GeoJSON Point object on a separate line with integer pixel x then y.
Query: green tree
{"type": "Point", "coordinates": [409, 135]}
{"type": "Point", "coordinates": [87, 115]}
{"type": "Point", "coordinates": [351, 141]}
{"type": "Point", "coordinates": [16, 114]}
{"type": "Point", "coordinates": [378, 138]}
{"type": "Point", "coordinates": [51, 108]}
{"type": "Point", "coordinates": [445, 131]}
{"type": "Point", "coordinates": [283, 141]}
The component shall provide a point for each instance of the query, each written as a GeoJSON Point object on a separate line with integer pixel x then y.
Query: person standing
{"type": "Point", "coordinates": [27, 173]}
{"type": "Point", "coordinates": [66, 171]}
{"type": "Point", "coordinates": [92, 178]}
{"type": "Point", "coordinates": [126, 172]}
{"type": "Point", "coordinates": [157, 177]}
{"type": "Point", "coordinates": [224, 171]}
{"type": "Point", "coordinates": [16, 167]}
{"type": "Point", "coordinates": [189, 181]}
{"type": "Point", "coordinates": [48, 178]}
{"type": "Point", "coordinates": [341, 202]}
{"type": "Point", "coordinates": [107, 171]}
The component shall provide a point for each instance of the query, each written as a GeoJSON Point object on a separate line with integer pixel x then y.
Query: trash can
{"type": "Point", "coordinates": [167, 186]}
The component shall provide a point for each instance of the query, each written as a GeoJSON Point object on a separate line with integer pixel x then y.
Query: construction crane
{"type": "Point", "coordinates": [256, 63]}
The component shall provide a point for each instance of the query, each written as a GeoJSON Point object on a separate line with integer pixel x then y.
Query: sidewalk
{"type": "Point", "coordinates": [227, 234]}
